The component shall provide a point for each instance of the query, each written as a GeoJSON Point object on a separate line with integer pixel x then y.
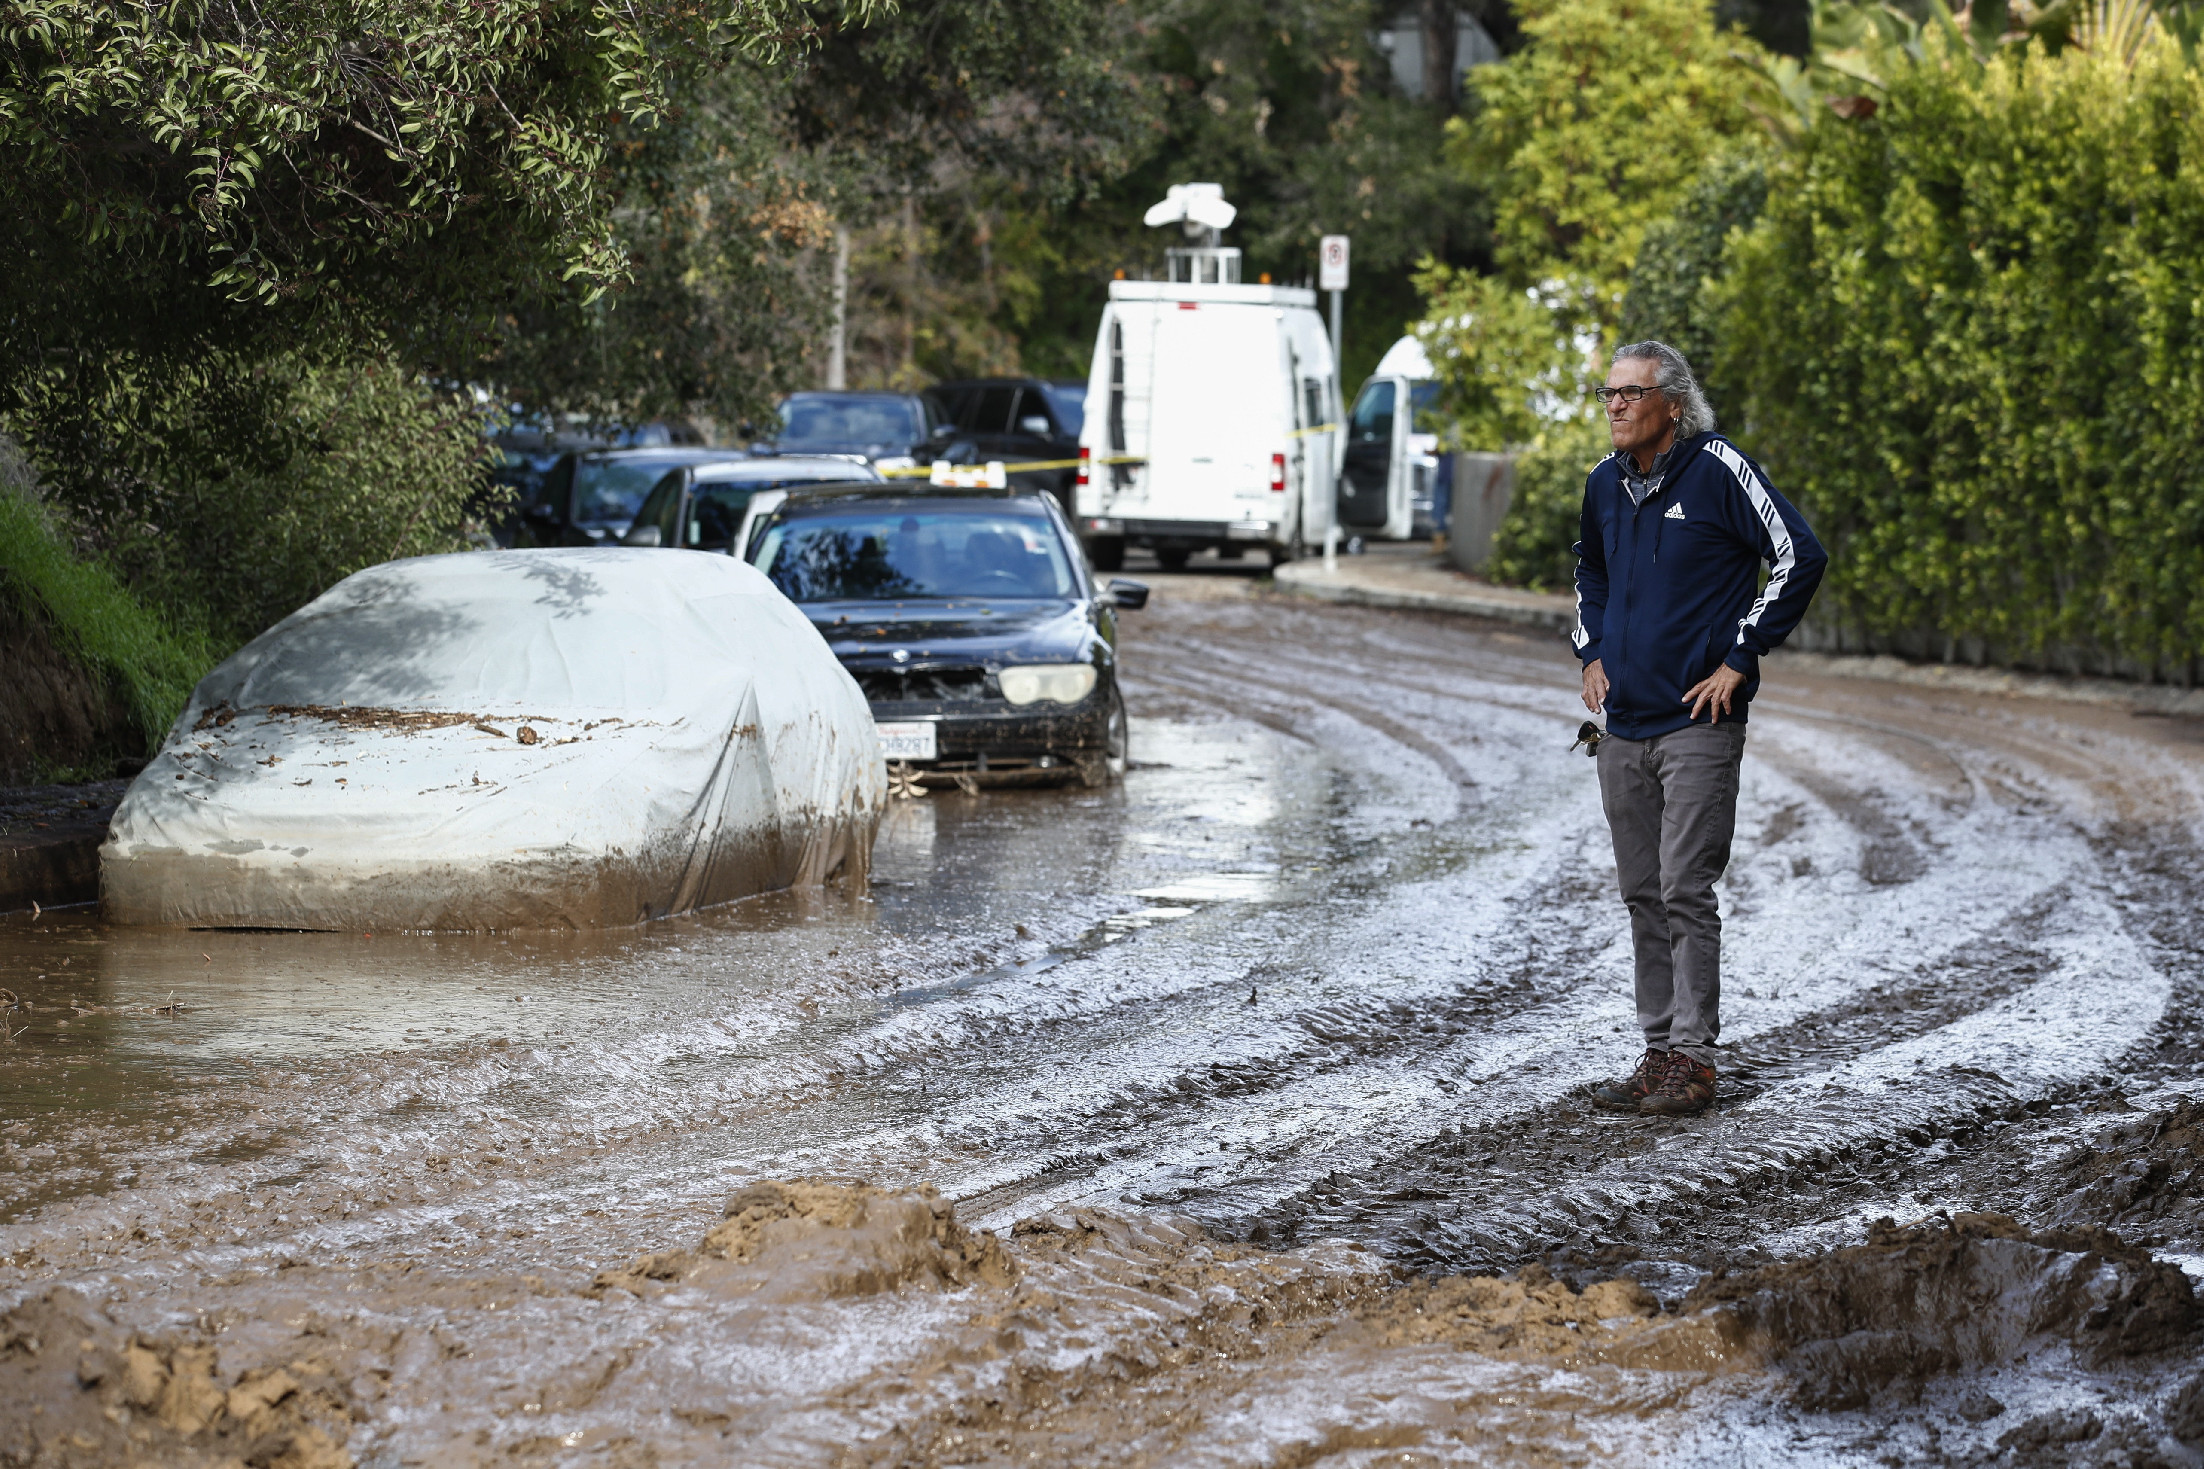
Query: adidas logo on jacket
{"type": "Point", "coordinates": [1668, 587]}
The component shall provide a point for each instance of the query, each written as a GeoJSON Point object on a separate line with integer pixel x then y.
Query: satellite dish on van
{"type": "Point", "coordinates": [1196, 206]}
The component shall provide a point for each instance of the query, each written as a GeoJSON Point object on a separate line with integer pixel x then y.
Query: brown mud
{"type": "Point", "coordinates": [1234, 1115]}
{"type": "Point", "coordinates": [1086, 1337]}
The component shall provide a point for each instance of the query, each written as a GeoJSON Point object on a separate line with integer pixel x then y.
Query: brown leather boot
{"type": "Point", "coordinates": [1685, 1089]}
{"type": "Point", "coordinates": [1624, 1095]}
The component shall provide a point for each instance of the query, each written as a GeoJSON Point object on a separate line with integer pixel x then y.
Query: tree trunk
{"type": "Point", "coordinates": [910, 291]}
{"type": "Point", "coordinates": [1440, 41]}
{"type": "Point", "coordinates": [838, 347]}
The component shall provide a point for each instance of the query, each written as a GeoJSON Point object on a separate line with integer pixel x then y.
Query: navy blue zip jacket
{"type": "Point", "coordinates": [1669, 589]}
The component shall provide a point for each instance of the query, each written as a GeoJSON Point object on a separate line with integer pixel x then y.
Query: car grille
{"type": "Point", "coordinates": [922, 685]}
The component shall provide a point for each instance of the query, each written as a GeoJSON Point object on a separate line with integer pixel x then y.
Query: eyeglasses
{"type": "Point", "coordinates": [1631, 394]}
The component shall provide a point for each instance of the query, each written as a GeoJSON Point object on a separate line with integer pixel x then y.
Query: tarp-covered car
{"type": "Point", "coordinates": [507, 739]}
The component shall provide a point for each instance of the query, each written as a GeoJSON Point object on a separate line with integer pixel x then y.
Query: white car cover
{"type": "Point", "coordinates": [505, 739]}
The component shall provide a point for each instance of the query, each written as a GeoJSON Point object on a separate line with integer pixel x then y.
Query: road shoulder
{"type": "Point", "coordinates": [1416, 579]}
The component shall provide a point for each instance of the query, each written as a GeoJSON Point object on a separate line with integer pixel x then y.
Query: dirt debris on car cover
{"type": "Point", "coordinates": [1090, 1337]}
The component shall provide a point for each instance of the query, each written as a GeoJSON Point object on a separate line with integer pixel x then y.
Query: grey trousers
{"type": "Point", "coordinates": [1671, 806]}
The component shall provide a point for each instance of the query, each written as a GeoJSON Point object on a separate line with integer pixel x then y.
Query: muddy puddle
{"type": "Point", "coordinates": [1231, 1116]}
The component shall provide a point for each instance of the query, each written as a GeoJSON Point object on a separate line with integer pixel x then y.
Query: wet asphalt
{"type": "Point", "coordinates": [1337, 961]}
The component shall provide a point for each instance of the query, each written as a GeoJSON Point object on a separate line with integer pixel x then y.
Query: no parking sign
{"type": "Point", "coordinates": [1331, 263]}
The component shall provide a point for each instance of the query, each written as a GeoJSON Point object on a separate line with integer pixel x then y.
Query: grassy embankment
{"type": "Point", "coordinates": [96, 621]}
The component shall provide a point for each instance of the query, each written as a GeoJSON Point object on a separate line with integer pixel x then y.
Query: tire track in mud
{"type": "Point", "coordinates": [1642, 1176]}
{"type": "Point", "coordinates": [1392, 729]}
{"type": "Point", "coordinates": [1369, 1036]}
{"type": "Point", "coordinates": [1481, 1079]}
{"type": "Point", "coordinates": [1186, 1090]}
{"type": "Point", "coordinates": [1878, 828]}
{"type": "Point", "coordinates": [1916, 1090]}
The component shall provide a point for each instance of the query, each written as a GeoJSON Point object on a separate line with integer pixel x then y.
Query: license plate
{"type": "Point", "coordinates": [911, 739]}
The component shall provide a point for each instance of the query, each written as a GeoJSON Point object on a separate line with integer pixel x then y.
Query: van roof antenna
{"type": "Point", "coordinates": [1199, 209]}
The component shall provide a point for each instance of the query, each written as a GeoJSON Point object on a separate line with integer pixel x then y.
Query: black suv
{"type": "Point", "coordinates": [1019, 420]}
{"type": "Point", "coordinates": [888, 430]}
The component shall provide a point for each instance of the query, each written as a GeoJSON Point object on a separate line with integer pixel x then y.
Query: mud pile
{"type": "Point", "coordinates": [1529, 1315]}
{"type": "Point", "coordinates": [1972, 1291]}
{"type": "Point", "coordinates": [2143, 1176]}
{"type": "Point", "coordinates": [823, 1322]}
{"type": "Point", "coordinates": [85, 1391]}
{"type": "Point", "coordinates": [821, 1238]}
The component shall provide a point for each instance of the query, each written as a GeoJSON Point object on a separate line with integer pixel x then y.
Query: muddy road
{"type": "Point", "coordinates": [1230, 1117]}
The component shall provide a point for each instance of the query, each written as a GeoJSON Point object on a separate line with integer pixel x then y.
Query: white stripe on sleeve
{"type": "Point", "coordinates": [1579, 637]}
{"type": "Point", "coordinates": [1763, 504]}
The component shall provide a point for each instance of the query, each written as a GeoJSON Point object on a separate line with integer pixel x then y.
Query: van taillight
{"type": "Point", "coordinates": [1278, 474]}
{"type": "Point", "coordinates": [1086, 455]}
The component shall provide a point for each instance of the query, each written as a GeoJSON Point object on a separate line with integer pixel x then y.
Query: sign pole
{"type": "Point", "coordinates": [1339, 365]}
{"type": "Point", "coordinates": [1331, 275]}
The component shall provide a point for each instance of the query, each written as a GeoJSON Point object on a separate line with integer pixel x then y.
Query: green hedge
{"type": "Point", "coordinates": [1531, 546]}
{"type": "Point", "coordinates": [233, 494]}
{"type": "Point", "coordinates": [1968, 335]}
{"type": "Point", "coordinates": [1679, 264]}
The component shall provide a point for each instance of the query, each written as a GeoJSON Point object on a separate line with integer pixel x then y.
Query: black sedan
{"type": "Point", "coordinates": [971, 622]}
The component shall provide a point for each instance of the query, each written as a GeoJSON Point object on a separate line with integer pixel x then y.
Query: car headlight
{"type": "Point", "coordinates": [895, 461]}
{"type": "Point", "coordinates": [1059, 683]}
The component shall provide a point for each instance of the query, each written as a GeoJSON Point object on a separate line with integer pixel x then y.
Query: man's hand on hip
{"type": "Point", "coordinates": [1713, 691]}
{"type": "Point", "coordinates": [1595, 686]}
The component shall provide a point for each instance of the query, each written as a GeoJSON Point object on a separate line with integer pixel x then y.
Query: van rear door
{"type": "Point", "coordinates": [1215, 411]}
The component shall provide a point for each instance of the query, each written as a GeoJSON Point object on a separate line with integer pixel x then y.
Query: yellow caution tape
{"type": "Point", "coordinates": [925, 471]}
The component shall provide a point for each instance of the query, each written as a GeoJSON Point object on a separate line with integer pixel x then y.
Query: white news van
{"type": "Point", "coordinates": [1385, 489]}
{"type": "Point", "coordinates": [1212, 411]}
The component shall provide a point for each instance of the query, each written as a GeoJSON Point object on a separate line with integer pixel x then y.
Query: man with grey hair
{"type": "Point", "coordinates": [1671, 623]}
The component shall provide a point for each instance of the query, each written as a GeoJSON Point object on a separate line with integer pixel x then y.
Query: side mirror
{"type": "Point", "coordinates": [642, 535]}
{"type": "Point", "coordinates": [1130, 595]}
{"type": "Point", "coordinates": [1033, 424]}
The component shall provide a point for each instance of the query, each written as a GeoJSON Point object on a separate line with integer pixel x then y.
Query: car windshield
{"type": "Point", "coordinates": [613, 489]}
{"type": "Point", "coordinates": [881, 553]}
{"type": "Point", "coordinates": [1070, 400]}
{"type": "Point", "coordinates": [827, 422]}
